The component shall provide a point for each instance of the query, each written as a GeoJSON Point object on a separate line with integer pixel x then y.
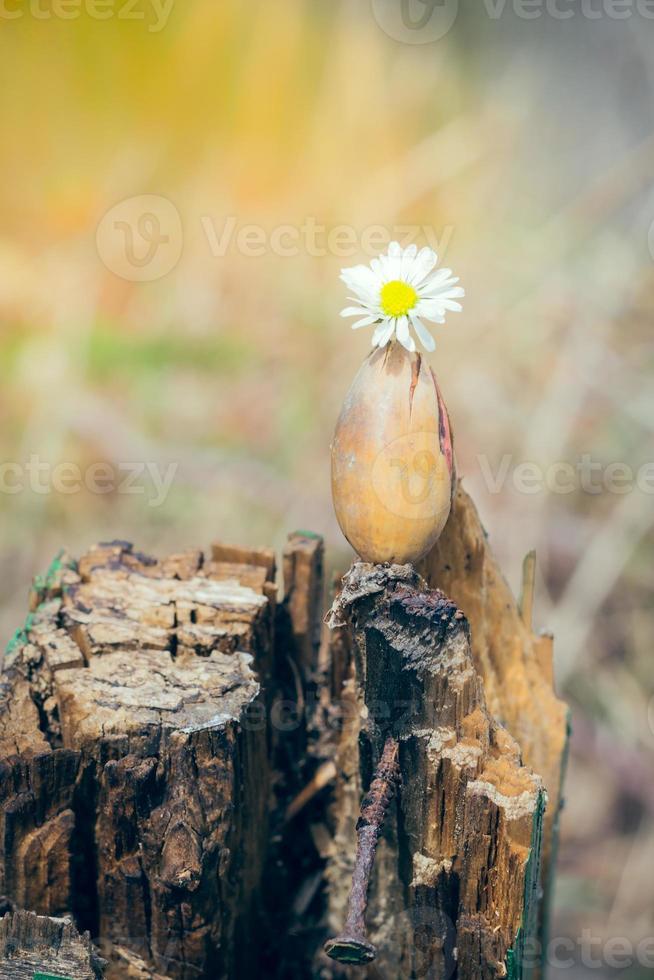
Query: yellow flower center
{"type": "Point", "coordinates": [397, 298]}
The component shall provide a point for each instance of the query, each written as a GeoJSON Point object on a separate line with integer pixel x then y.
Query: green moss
{"type": "Point", "coordinates": [511, 962]}
{"type": "Point", "coordinates": [549, 884]}
{"type": "Point", "coordinates": [49, 976]}
{"type": "Point", "coordinates": [42, 585]}
{"type": "Point", "coordinates": [48, 581]}
{"type": "Point", "coordinates": [21, 636]}
{"type": "Point", "coordinates": [516, 967]}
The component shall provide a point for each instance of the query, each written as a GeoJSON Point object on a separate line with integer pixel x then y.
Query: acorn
{"type": "Point", "coordinates": [393, 466]}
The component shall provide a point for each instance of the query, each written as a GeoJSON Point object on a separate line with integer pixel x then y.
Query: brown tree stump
{"type": "Point", "coordinates": [33, 947]}
{"type": "Point", "coordinates": [466, 689]}
{"type": "Point", "coordinates": [514, 662]}
{"type": "Point", "coordinates": [182, 762]}
{"type": "Point", "coordinates": [135, 757]}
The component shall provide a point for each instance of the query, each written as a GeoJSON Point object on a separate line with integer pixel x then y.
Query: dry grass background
{"type": "Point", "coordinates": [526, 146]}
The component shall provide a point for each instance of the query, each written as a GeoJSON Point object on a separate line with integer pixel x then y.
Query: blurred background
{"type": "Point", "coordinates": [180, 184]}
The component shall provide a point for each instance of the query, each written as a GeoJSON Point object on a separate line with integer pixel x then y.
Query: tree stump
{"type": "Point", "coordinates": [467, 693]}
{"type": "Point", "coordinates": [515, 664]}
{"type": "Point", "coordinates": [182, 762]}
{"type": "Point", "coordinates": [134, 756]}
{"type": "Point", "coordinates": [36, 948]}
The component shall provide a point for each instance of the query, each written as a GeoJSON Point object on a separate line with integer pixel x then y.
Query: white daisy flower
{"type": "Point", "coordinates": [398, 291]}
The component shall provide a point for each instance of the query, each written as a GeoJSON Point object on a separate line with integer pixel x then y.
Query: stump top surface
{"type": "Point", "coordinates": [120, 644]}
{"type": "Point", "coordinates": [120, 693]}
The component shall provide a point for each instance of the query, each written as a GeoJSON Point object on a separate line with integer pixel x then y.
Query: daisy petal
{"type": "Point", "coordinates": [368, 304]}
{"type": "Point", "coordinates": [356, 273]}
{"type": "Point", "coordinates": [437, 280]}
{"type": "Point", "coordinates": [391, 267]}
{"type": "Point", "coordinates": [353, 311]}
{"type": "Point", "coordinates": [364, 322]}
{"type": "Point", "coordinates": [433, 314]}
{"type": "Point", "coordinates": [422, 333]}
{"type": "Point", "coordinates": [408, 259]}
{"type": "Point", "coordinates": [424, 262]}
{"type": "Point", "coordinates": [403, 334]}
{"type": "Point", "coordinates": [383, 333]}
{"type": "Point", "coordinates": [360, 279]}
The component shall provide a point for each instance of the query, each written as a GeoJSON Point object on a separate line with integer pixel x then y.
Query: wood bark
{"type": "Point", "coordinates": [515, 663]}
{"type": "Point", "coordinates": [465, 686]}
{"type": "Point", "coordinates": [34, 947]}
{"type": "Point", "coordinates": [183, 759]}
{"type": "Point", "coordinates": [134, 755]}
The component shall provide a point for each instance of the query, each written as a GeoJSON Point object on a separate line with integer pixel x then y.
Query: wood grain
{"type": "Point", "coordinates": [134, 754]}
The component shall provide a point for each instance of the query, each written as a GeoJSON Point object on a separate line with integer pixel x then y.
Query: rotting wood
{"type": "Point", "coordinates": [515, 664]}
{"type": "Point", "coordinates": [38, 948]}
{"type": "Point", "coordinates": [455, 883]}
{"type": "Point", "coordinates": [134, 755]}
{"type": "Point", "coordinates": [303, 586]}
{"type": "Point", "coordinates": [168, 770]}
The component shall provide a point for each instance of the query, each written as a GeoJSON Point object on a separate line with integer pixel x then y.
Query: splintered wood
{"type": "Point", "coordinates": [515, 664]}
{"type": "Point", "coordinates": [463, 684]}
{"type": "Point", "coordinates": [38, 948]}
{"type": "Point", "coordinates": [133, 753]}
{"type": "Point", "coordinates": [183, 762]}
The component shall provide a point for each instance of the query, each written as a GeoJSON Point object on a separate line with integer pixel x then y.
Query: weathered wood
{"type": "Point", "coordinates": [303, 594]}
{"type": "Point", "coordinates": [38, 948]}
{"type": "Point", "coordinates": [455, 883]}
{"type": "Point", "coordinates": [515, 664]}
{"type": "Point", "coordinates": [134, 754]}
{"type": "Point", "coordinates": [182, 767]}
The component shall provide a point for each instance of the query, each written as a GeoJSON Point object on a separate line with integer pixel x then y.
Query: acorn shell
{"type": "Point", "coordinates": [393, 467]}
